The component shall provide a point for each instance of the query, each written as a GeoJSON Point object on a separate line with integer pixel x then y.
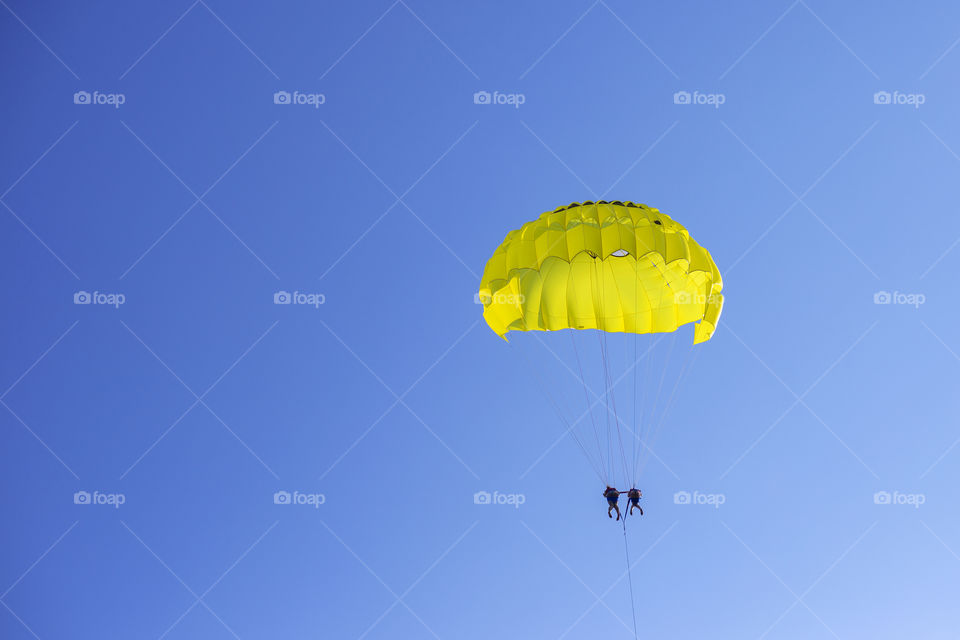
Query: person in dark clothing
{"type": "Point", "coordinates": [634, 496]}
{"type": "Point", "coordinates": [612, 496]}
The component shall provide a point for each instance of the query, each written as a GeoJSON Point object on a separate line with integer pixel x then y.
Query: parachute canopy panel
{"type": "Point", "coordinates": [612, 266]}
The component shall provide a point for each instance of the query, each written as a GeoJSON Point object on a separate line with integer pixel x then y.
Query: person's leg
{"type": "Point", "coordinates": [609, 509]}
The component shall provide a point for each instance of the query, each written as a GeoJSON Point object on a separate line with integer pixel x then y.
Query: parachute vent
{"type": "Point", "coordinates": [585, 203]}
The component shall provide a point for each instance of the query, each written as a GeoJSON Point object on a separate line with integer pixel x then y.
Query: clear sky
{"type": "Point", "coordinates": [148, 157]}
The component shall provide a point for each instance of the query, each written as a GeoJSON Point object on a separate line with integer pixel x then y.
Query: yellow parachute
{"type": "Point", "coordinates": [613, 266]}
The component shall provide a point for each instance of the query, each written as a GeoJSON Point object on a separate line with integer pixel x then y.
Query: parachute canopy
{"type": "Point", "coordinates": [613, 266]}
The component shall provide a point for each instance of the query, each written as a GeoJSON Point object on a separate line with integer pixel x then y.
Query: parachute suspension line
{"type": "Point", "coordinates": [609, 381]}
{"type": "Point", "coordinates": [599, 286]}
{"type": "Point", "coordinates": [601, 332]}
{"type": "Point", "coordinates": [633, 602]}
{"type": "Point", "coordinates": [593, 421]}
{"type": "Point", "coordinates": [641, 421]}
{"type": "Point", "coordinates": [652, 417]}
{"type": "Point", "coordinates": [586, 396]}
{"type": "Point", "coordinates": [652, 358]}
{"type": "Point", "coordinates": [633, 421]}
{"type": "Point", "coordinates": [649, 355]}
{"type": "Point", "coordinates": [613, 395]}
{"type": "Point", "coordinates": [636, 339]}
{"type": "Point", "coordinates": [656, 399]}
{"type": "Point", "coordinates": [609, 397]}
{"type": "Point", "coordinates": [608, 388]}
{"type": "Point", "coordinates": [643, 434]}
{"type": "Point", "coordinates": [570, 428]}
{"type": "Point", "coordinates": [688, 362]}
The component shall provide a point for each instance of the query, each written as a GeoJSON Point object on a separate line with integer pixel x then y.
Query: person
{"type": "Point", "coordinates": [612, 496]}
{"type": "Point", "coordinates": [634, 496]}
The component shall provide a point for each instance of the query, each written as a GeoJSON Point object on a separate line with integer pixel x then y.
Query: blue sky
{"type": "Point", "coordinates": [146, 160]}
